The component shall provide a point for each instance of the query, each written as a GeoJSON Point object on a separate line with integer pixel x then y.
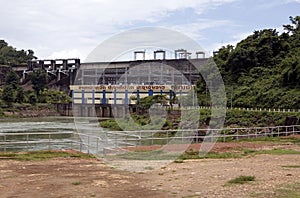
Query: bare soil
{"type": "Point", "coordinates": [63, 177]}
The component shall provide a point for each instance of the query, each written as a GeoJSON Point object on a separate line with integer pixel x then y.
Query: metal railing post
{"type": "Point", "coordinates": [152, 137]}
{"type": "Point", "coordinates": [293, 130]}
{"type": "Point", "coordinates": [97, 145]}
{"type": "Point", "coordinates": [80, 146]}
{"type": "Point", "coordinates": [167, 136]}
{"type": "Point", "coordinates": [4, 143]}
{"type": "Point", "coordinates": [27, 137]}
{"type": "Point", "coordinates": [49, 142]}
{"type": "Point", "coordinates": [88, 145]}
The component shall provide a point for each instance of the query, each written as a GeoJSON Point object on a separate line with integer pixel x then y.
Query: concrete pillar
{"type": "Point", "coordinates": [72, 97]}
{"type": "Point", "coordinates": [93, 97]}
{"type": "Point", "coordinates": [65, 64]}
{"type": "Point", "coordinates": [82, 97]}
{"type": "Point", "coordinates": [138, 96]}
{"type": "Point", "coordinates": [103, 97]}
{"type": "Point", "coordinates": [115, 97]}
{"type": "Point", "coordinates": [170, 96]}
{"type": "Point", "coordinates": [150, 93]}
{"type": "Point", "coordinates": [126, 97]}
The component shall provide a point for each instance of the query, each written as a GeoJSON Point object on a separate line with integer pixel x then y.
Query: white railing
{"type": "Point", "coordinates": [251, 109]}
{"type": "Point", "coordinates": [120, 140]}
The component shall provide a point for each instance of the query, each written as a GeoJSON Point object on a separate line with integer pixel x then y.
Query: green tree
{"type": "Point", "coordinates": [263, 70]}
{"type": "Point", "coordinates": [148, 101]}
{"type": "Point", "coordinates": [12, 79]}
{"type": "Point", "coordinates": [20, 95]}
{"type": "Point", "coordinates": [39, 80]}
{"type": "Point", "coordinates": [12, 56]}
{"type": "Point", "coordinates": [8, 95]}
{"type": "Point", "coordinates": [295, 26]}
{"type": "Point", "coordinates": [32, 99]}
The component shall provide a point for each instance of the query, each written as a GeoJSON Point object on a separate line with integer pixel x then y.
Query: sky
{"type": "Point", "coordinates": [73, 28]}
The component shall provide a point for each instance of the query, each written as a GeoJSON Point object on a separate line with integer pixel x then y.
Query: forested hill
{"type": "Point", "coordinates": [263, 70]}
{"type": "Point", "coordinates": [11, 56]}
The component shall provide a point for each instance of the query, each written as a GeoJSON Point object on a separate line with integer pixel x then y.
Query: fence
{"type": "Point", "coordinates": [252, 109]}
{"type": "Point", "coordinates": [152, 137]}
{"type": "Point", "coordinates": [63, 140]}
{"type": "Point", "coordinates": [34, 140]}
{"type": "Point", "coordinates": [110, 141]}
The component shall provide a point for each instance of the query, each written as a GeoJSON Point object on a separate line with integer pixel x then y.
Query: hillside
{"type": "Point", "coordinates": [263, 70]}
{"type": "Point", "coordinates": [11, 56]}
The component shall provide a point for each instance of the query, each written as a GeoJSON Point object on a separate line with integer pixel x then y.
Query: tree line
{"type": "Point", "coordinates": [262, 70]}
{"type": "Point", "coordinates": [12, 92]}
{"type": "Point", "coordinates": [11, 56]}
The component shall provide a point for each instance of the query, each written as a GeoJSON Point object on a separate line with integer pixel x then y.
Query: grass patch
{"type": "Point", "coordinates": [43, 155]}
{"type": "Point", "coordinates": [290, 191]}
{"type": "Point", "coordinates": [147, 155]}
{"type": "Point", "coordinates": [291, 166]}
{"type": "Point", "coordinates": [194, 154]}
{"type": "Point", "coordinates": [235, 154]}
{"type": "Point", "coordinates": [211, 155]}
{"type": "Point", "coordinates": [76, 183]}
{"type": "Point", "coordinates": [241, 179]}
{"type": "Point", "coordinates": [266, 139]}
{"type": "Point", "coordinates": [277, 152]}
{"type": "Point", "coordinates": [179, 161]}
{"type": "Point", "coordinates": [149, 168]}
{"type": "Point", "coordinates": [286, 191]}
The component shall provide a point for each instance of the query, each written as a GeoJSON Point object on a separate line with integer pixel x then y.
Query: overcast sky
{"type": "Point", "coordinates": [73, 28]}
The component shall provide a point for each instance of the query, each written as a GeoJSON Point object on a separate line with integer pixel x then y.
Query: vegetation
{"type": "Point", "coordinates": [76, 183]}
{"type": "Point", "coordinates": [262, 70]}
{"type": "Point", "coordinates": [147, 102]}
{"type": "Point", "coordinates": [42, 155]}
{"type": "Point", "coordinates": [12, 93]}
{"type": "Point", "coordinates": [194, 154]}
{"type": "Point", "coordinates": [283, 191]}
{"type": "Point", "coordinates": [241, 179]}
{"type": "Point", "coordinates": [12, 56]}
{"type": "Point", "coordinates": [39, 80]}
{"type": "Point", "coordinates": [234, 118]}
{"type": "Point", "coordinates": [136, 122]}
{"type": "Point", "coordinates": [291, 166]}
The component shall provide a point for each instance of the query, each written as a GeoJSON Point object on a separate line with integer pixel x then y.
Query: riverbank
{"type": "Point", "coordinates": [27, 110]}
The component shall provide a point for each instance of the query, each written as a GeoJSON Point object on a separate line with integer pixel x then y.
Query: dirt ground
{"type": "Point", "coordinates": [65, 177]}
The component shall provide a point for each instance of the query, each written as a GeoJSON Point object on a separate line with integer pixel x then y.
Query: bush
{"type": "Point", "coordinates": [32, 99]}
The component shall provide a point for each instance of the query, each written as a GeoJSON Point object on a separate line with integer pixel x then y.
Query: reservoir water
{"type": "Point", "coordinates": [45, 132]}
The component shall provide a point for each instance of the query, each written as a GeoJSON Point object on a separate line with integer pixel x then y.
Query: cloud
{"type": "Point", "coordinates": [275, 3]}
{"type": "Point", "coordinates": [194, 29]}
{"type": "Point", "coordinates": [74, 53]}
{"type": "Point", "coordinates": [62, 26]}
{"type": "Point", "coordinates": [292, 1]}
{"type": "Point", "coordinates": [234, 39]}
